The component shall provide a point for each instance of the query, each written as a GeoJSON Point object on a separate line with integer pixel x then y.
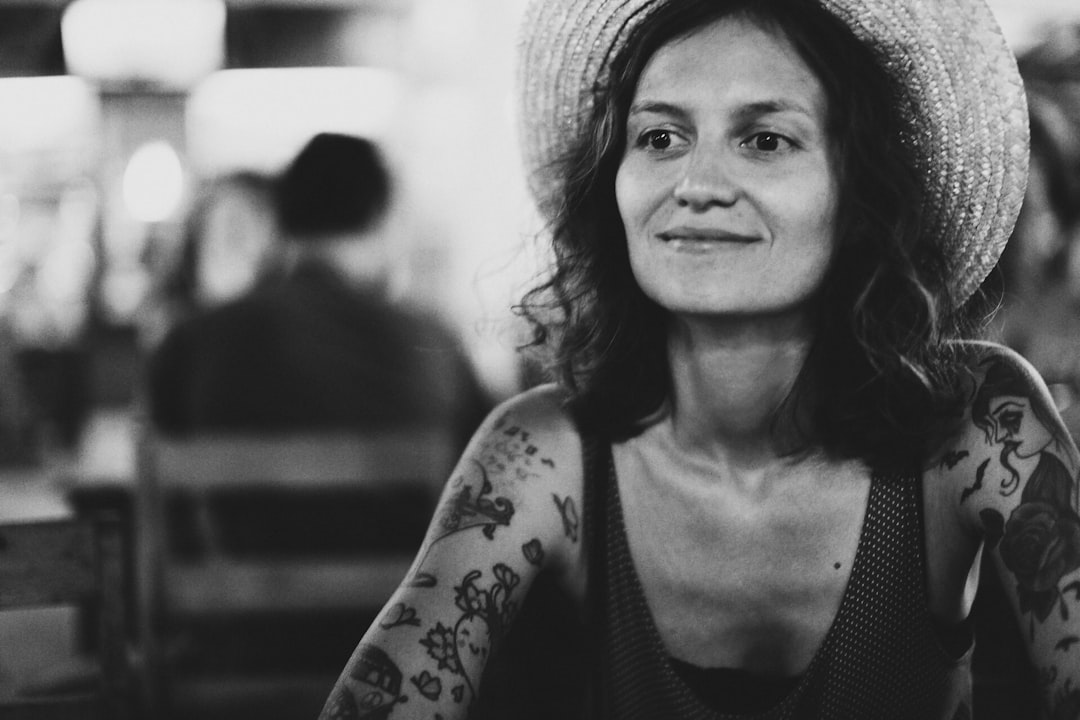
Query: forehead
{"type": "Point", "coordinates": [733, 58]}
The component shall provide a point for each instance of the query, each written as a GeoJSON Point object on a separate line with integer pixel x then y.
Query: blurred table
{"type": "Point", "coordinates": [36, 644]}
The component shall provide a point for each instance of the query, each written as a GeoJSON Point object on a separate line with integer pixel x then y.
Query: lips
{"type": "Point", "coordinates": [704, 235]}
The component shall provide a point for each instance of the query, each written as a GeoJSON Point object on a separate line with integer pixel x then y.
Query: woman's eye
{"type": "Point", "coordinates": [656, 140]}
{"type": "Point", "coordinates": [1010, 421]}
{"type": "Point", "coordinates": [767, 142]}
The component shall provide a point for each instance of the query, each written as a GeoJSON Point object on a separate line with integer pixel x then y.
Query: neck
{"type": "Point", "coordinates": [729, 379]}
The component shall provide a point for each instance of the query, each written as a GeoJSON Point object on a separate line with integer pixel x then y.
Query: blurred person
{"type": "Point", "coordinates": [228, 244]}
{"type": "Point", "coordinates": [316, 345]}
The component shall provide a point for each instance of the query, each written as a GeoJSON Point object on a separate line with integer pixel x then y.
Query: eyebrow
{"type": "Point", "coordinates": [748, 110]}
{"type": "Point", "coordinates": [1006, 404]}
{"type": "Point", "coordinates": [658, 107]}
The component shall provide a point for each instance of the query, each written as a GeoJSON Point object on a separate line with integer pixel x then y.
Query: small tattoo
{"type": "Point", "coordinates": [374, 678]}
{"type": "Point", "coordinates": [430, 686]}
{"type": "Point", "coordinates": [953, 457]}
{"type": "Point", "coordinates": [423, 580]}
{"type": "Point", "coordinates": [1065, 644]}
{"type": "Point", "coordinates": [569, 515]}
{"type": "Point", "coordinates": [980, 473]}
{"type": "Point", "coordinates": [549, 462]}
{"type": "Point", "coordinates": [400, 614]}
{"type": "Point", "coordinates": [458, 693]}
{"type": "Point", "coordinates": [465, 511]}
{"type": "Point", "coordinates": [1074, 588]}
{"type": "Point", "coordinates": [533, 551]}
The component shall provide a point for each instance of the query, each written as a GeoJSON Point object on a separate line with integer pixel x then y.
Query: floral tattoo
{"type": "Point", "coordinates": [464, 511]}
{"type": "Point", "coordinates": [464, 648]}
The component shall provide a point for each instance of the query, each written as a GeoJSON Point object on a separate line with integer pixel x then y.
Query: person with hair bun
{"type": "Point", "coordinates": [774, 447]}
{"type": "Point", "coordinates": [319, 344]}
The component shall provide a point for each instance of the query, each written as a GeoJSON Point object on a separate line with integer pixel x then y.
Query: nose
{"type": "Point", "coordinates": [706, 182]}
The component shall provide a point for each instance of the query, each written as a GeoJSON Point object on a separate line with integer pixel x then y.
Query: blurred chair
{"type": "Point", "coordinates": [75, 562]}
{"type": "Point", "coordinates": [263, 558]}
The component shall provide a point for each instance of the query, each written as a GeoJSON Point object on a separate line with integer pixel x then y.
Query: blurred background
{"type": "Point", "coordinates": [119, 117]}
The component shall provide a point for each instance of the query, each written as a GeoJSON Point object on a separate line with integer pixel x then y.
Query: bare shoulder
{"type": "Point", "coordinates": [531, 436]}
{"type": "Point", "coordinates": [528, 452]}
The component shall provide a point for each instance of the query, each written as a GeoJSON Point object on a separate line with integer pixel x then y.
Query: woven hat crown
{"type": "Point", "coordinates": [961, 99]}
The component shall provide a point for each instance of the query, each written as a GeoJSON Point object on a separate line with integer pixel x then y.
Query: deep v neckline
{"type": "Point", "coordinates": [616, 518]}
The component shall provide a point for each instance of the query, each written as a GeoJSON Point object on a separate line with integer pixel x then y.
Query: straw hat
{"type": "Point", "coordinates": [962, 98]}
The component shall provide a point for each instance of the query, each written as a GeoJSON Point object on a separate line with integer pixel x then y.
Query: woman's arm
{"type": "Point", "coordinates": [510, 510]}
{"type": "Point", "coordinates": [1015, 484]}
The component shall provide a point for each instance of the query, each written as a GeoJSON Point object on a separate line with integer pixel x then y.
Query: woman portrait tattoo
{"type": "Point", "coordinates": [1004, 411]}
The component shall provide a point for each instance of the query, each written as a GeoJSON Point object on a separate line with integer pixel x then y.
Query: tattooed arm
{"type": "Point", "coordinates": [1014, 483]}
{"type": "Point", "coordinates": [509, 511]}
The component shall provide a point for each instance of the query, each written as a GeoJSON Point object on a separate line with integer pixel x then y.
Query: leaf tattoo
{"type": "Point", "coordinates": [568, 512]}
{"type": "Point", "coordinates": [400, 614]}
{"type": "Point", "coordinates": [430, 686]}
{"type": "Point", "coordinates": [953, 457]}
{"type": "Point", "coordinates": [533, 551]}
{"type": "Point", "coordinates": [1066, 643]}
{"type": "Point", "coordinates": [980, 475]}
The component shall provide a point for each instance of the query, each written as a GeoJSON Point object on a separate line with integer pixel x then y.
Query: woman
{"type": "Point", "coordinates": [759, 474]}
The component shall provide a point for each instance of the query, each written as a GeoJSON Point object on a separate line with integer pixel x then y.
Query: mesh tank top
{"type": "Point", "coordinates": [880, 659]}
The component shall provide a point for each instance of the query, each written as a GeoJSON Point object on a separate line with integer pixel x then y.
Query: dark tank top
{"type": "Point", "coordinates": [881, 658]}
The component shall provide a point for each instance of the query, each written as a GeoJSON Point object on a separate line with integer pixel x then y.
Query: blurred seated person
{"type": "Point", "coordinates": [228, 244]}
{"type": "Point", "coordinates": [319, 345]}
{"type": "Point", "coordinates": [1041, 264]}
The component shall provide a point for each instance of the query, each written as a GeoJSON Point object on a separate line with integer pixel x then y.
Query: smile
{"type": "Point", "coordinates": [703, 235]}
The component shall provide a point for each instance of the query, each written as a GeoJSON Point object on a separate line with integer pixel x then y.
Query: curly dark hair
{"type": "Point", "coordinates": [881, 355]}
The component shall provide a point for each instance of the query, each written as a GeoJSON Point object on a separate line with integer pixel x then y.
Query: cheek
{"type": "Point", "coordinates": [626, 194]}
{"type": "Point", "coordinates": [824, 207]}
{"type": "Point", "coordinates": [639, 190]}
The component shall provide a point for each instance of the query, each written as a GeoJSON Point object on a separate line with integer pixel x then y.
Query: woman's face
{"type": "Point", "coordinates": [727, 188]}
